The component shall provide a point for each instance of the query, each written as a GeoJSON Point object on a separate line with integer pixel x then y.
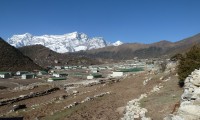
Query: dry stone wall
{"type": "Point", "coordinates": [28, 96]}
{"type": "Point", "coordinates": [190, 100]}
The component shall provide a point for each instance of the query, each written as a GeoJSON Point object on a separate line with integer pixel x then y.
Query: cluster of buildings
{"type": "Point", "coordinates": [87, 72]}
{"type": "Point", "coordinates": [95, 71]}
{"type": "Point", "coordinates": [22, 74]}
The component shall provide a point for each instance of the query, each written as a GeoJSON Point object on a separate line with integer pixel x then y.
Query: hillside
{"type": "Point", "coordinates": [129, 51]}
{"type": "Point", "coordinates": [13, 60]}
{"type": "Point", "coordinates": [46, 57]}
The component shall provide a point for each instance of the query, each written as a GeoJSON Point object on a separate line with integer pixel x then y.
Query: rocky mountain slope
{"type": "Point", "coordinates": [162, 48]}
{"type": "Point", "coordinates": [129, 51]}
{"type": "Point", "coordinates": [13, 60]}
{"type": "Point", "coordinates": [70, 42]}
{"type": "Point", "coordinates": [46, 57]}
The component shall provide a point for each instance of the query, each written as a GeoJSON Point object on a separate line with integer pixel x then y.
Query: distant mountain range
{"type": "Point", "coordinates": [70, 42]}
{"type": "Point", "coordinates": [44, 56]}
{"type": "Point", "coordinates": [13, 60]}
{"type": "Point", "coordinates": [160, 49]}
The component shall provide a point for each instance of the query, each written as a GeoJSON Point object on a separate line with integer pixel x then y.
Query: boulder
{"type": "Point", "coordinates": [173, 117]}
{"type": "Point", "coordinates": [62, 97]}
{"type": "Point", "coordinates": [18, 107]}
{"type": "Point", "coordinates": [186, 96]}
{"type": "Point", "coordinates": [190, 111]}
{"type": "Point", "coordinates": [196, 82]}
{"type": "Point", "coordinates": [75, 92]}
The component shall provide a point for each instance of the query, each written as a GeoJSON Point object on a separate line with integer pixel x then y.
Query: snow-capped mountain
{"type": "Point", "coordinates": [70, 42]}
{"type": "Point", "coordinates": [117, 43]}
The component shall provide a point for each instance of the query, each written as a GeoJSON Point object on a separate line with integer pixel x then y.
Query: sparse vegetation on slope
{"type": "Point", "coordinates": [12, 59]}
{"type": "Point", "coordinates": [45, 57]}
{"type": "Point", "coordinates": [126, 51]}
{"type": "Point", "coordinates": [188, 63]}
{"type": "Point", "coordinates": [176, 57]}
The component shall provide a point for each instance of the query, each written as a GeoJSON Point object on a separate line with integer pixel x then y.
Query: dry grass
{"type": "Point", "coordinates": [162, 103]}
{"type": "Point", "coordinates": [106, 107]}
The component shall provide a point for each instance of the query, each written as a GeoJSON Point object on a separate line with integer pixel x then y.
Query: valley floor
{"type": "Point", "coordinates": [108, 107]}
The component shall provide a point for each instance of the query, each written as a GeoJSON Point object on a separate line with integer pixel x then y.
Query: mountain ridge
{"type": "Point", "coordinates": [44, 56]}
{"type": "Point", "coordinates": [70, 42]}
{"type": "Point", "coordinates": [162, 48]}
{"type": "Point", "coordinates": [13, 60]}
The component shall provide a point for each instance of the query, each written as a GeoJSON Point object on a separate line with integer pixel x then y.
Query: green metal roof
{"type": "Point", "coordinates": [58, 78]}
{"type": "Point", "coordinates": [22, 71]}
{"type": "Point", "coordinates": [5, 73]}
{"type": "Point", "coordinates": [96, 75]}
{"type": "Point", "coordinates": [130, 70]}
{"type": "Point", "coordinates": [43, 72]}
{"type": "Point", "coordinates": [29, 74]}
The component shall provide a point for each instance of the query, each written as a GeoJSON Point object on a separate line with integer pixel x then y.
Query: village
{"type": "Point", "coordinates": [56, 73]}
{"type": "Point", "coordinates": [26, 91]}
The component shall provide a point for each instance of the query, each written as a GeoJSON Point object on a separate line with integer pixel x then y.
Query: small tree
{"type": "Point", "coordinates": [188, 63]}
{"type": "Point", "coordinates": [163, 66]}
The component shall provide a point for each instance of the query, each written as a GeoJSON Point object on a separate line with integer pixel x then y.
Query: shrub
{"type": "Point", "coordinates": [176, 57]}
{"type": "Point", "coordinates": [188, 63]}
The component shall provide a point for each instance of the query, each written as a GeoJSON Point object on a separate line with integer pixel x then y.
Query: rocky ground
{"type": "Point", "coordinates": [190, 99]}
{"type": "Point", "coordinates": [105, 101]}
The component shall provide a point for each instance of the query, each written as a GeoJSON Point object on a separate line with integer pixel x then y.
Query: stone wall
{"type": "Point", "coordinates": [28, 96]}
{"type": "Point", "coordinates": [190, 100]}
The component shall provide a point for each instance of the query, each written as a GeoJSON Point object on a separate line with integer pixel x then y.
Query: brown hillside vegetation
{"type": "Point", "coordinates": [188, 63]}
{"type": "Point", "coordinates": [130, 50]}
{"type": "Point", "coordinates": [46, 57]}
{"type": "Point", "coordinates": [12, 59]}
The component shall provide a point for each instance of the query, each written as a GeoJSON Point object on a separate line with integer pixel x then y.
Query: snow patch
{"type": "Point", "coordinates": [70, 42]}
{"type": "Point", "coordinates": [117, 43]}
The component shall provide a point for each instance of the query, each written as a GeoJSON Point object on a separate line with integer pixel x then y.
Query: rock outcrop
{"type": "Point", "coordinates": [190, 100]}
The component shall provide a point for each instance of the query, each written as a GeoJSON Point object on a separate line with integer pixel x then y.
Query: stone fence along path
{"type": "Point", "coordinates": [28, 96]}
{"type": "Point", "coordinates": [190, 100]}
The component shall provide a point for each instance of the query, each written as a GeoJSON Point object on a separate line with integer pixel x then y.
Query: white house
{"type": "Point", "coordinates": [60, 74]}
{"type": "Point", "coordinates": [90, 77]}
{"type": "Point", "coordinates": [28, 76]}
{"type": "Point", "coordinates": [94, 71]}
{"type": "Point", "coordinates": [5, 75]}
{"type": "Point", "coordinates": [84, 67]}
{"type": "Point", "coordinates": [66, 67]}
{"type": "Point", "coordinates": [21, 72]}
{"type": "Point", "coordinates": [117, 74]}
{"type": "Point", "coordinates": [42, 73]}
{"type": "Point", "coordinates": [58, 67]}
{"type": "Point", "coordinates": [101, 68]}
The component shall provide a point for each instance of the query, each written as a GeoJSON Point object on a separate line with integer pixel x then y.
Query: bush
{"type": "Point", "coordinates": [176, 57]}
{"type": "Point", "coordinates": [188, 63]}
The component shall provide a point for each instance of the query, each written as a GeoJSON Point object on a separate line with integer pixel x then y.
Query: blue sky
{"type": "Point", "coordinates": [143, 21]}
